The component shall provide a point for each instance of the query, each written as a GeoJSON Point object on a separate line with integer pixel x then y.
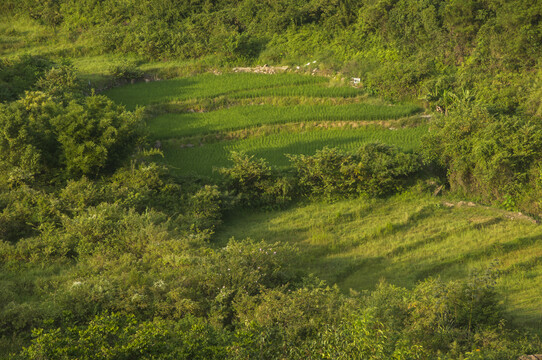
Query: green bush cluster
{"type": "Point", "coordinates": [126, 71]}
{"type": "Point", "coordinates": [43, 137]}
{"type": "Point", "coordinates": [373, 170]}
{"type": "Point", "coordinates": [254, 182]}
{"type": "Point", "coordinates": [311, 321]}
{"type": "Point", "coordinates": [17, 76]}
{"type": "Point", "coordinates": [495, 157]}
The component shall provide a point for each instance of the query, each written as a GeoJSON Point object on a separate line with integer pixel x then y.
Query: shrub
{"type": "Point", "coordinates": [61, 83]}
{"type": "Point", "coordinates": [255, 182]}
{"type": "Point", "coordinates": [126, 71]}
{"type": "Point", "coordinates": [206, 208]}
{"type": "Point", "coordinates": [42, 138]}
{"type": "Point", "coordinates": [107, 336]}
{"type": "Point", "coordinates": [21, 75]}
{"type": "Point", "coordinates": [374, 170]}
{"type": "Point", "coordinates": [486, 155]}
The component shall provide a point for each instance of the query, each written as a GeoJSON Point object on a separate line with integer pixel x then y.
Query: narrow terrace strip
{"type": "Point", "coordinates": [265, 130]}
{"type": "Point", "coordinates": [202, 87]}
{"type": "Point", "coordinates": [242, 117]}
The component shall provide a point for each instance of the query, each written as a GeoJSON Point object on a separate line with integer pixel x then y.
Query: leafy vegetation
{"type": "Point", "coordinates": [104, 254]}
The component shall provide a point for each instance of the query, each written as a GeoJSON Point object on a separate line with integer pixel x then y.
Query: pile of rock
{"type": "Point", "coordinates": [265, 69]}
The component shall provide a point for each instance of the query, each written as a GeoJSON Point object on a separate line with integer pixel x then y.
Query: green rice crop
{"type": "Point", "coordinates": [189, 124]}
{"type": "Point", "coordinates": [311, 90]}
{"type": "Point", "coordinates": [201, 87]}
{"type": "Point", "coordinates": [200, 160]}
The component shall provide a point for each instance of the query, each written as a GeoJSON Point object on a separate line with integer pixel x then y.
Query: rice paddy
{"type": "Point", "coordinates": [203, 87]}
{"type": "Point", "coordinates": [202, 159]}
{"type": "Point", "coordinates": [268, 116]}
{"type": "Point", "coordinates": [240, 117]}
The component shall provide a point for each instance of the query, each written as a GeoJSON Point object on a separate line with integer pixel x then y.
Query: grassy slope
{"type": "Point", "coordinates": [404, 239]}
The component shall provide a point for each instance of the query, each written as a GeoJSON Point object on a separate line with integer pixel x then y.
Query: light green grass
{"type": "Point", "coordinates": [190, 124]}
{"type": "Point", "coordinates": [405, 239]}
{"type": "Point", "coordinates": [200, 160]}
{"type": "Point", "coordinates": [201, 87]}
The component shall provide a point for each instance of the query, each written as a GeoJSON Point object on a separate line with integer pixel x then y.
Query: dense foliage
{"type": "Point", "coordinates": [398, 47]}
{"type": "Point", "coordinates": [496, 157]}
{"type": "Point", "coordinates": [446, 53]}
{"type": "Point", "coordinates": [41, 136]}
{"type": "Point", "coordinates": [105, 256]}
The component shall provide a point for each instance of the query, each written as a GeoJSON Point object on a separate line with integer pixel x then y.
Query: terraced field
{"type": "Point", "coordinates": [199, 120]}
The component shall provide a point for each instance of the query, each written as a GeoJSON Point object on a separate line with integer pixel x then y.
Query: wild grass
{"type": "Point", "coordinates": [240, 117]}
{"type": "Point", "coordinates": [200, 160]}
{"type": "Point", "coordinates": [405, 239]}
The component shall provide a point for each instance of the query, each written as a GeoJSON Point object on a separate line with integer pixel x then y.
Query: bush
{"type": "Point", "coordinates": [255, 182]}
{"type": "Point", "coordinates": [374, 170]}
{"type": "Point", "coordinates": [108, 336]}
{"type": "Point", "coordinates": [486, 155]}
{"type": "Point", "coordinates": [42, 138]}
{"type": "Point", "coordinates": [21, 75]}
{"type": "Point", "coordinates": [126, 71]}
{"type": "Point", "coordinates": [61, 83]}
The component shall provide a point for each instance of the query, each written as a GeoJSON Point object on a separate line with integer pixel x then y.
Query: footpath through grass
{"type": "Point", "coordinates": [405, 239]}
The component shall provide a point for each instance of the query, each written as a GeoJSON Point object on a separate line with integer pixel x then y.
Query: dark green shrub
{"type": "Point", "coordinates": [96, 135]}
{"type": "Point", "coordinates": [490, 156]}
{"type": "Point", "coordinates": [21, 75]}
{"type": "Point", "coordinates": [108, 336]}
{"type": "Point", "coordinates": [118, 336]}
{"type": "Point", "coordinates": [25, 212]}
{"type": "Point", "coordinates": [374, 170]}
{"type": "Point", "coordinates": [206, 208]}
{"type": "Point", "coordinates": [255, 182]}
{"type": "Point", "coordinates": [111, 230]}
{"type": "Point", "coordinates": [126, 71]}
{"type": "Point", "coordinates": [61, 83]}
{"type": "Point", "coordinates": [41, 138]}
{"type": "Point", "coordinates": [445, 316]}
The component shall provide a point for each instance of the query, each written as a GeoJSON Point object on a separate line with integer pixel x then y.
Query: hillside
{"type": "Point", "coordinates": [206, 180]}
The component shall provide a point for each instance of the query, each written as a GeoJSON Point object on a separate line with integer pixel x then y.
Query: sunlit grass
{"type": "Point", "coordinates": [201, 87]}
{"type": "Point", "coordinates": [405, 239]}
{"type": "Point", "coordinates": [190, 124]}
